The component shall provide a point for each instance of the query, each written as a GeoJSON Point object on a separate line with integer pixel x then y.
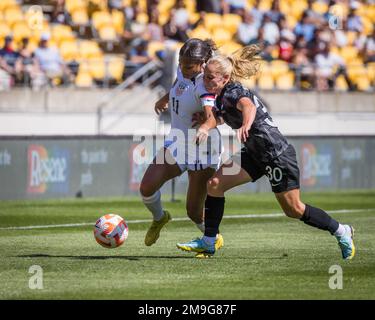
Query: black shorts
{"type": "Point", "coordinates": [282, 172]}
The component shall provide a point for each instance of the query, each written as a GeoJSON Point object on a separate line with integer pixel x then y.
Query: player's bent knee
{"type": "Point", "coordinates": [296, 211]}
{"type": "Point", "coordinates": [146, 189]}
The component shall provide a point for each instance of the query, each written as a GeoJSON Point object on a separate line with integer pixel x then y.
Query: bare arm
{"type": "Point", "coordinates": [162, 104]}
{"type": "Point", "coordinates": [206, 126]}
{"type": "Point", "coordinates": [248, 113]}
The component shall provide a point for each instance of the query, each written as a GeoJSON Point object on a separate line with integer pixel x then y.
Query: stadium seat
{"type": "Point", "coordinates": [100, 18]}
{"type": "Point", "coordinates": [4, 30]}
{"type": "Point", "coordinates": [221, 36]}
{"type": "Point", "coordinates": [69, 50]}
{"type": "Point", "coordinates": [230, 47]}
{"type": "Point", "coordinates": [21, 30]}
{"type": "Point", "coordinates": [349, 53]}
{"type": "Point", "coordinates": [13, 15]}
{"type": "Point", "coordinates": [341, 84]}
{"type": "Point", "coordinates": [5, 4]}
{"type": "Point", "coordinates": [212, 21]}
{"type": "Point", "coordinates": [118, 21]}
{"type": "Point", "coordinates": [249, 83]}
{"type": "Point", "coordinates": [80, 17]}
{"type": "Point", "coordinates": [368, 26]}
{"type": "Point", "coordinates": [371, 72]}
{"type": "Point", "coordinates": [231, 22]}
{"type": "Point", "coordinates": [265, 82]}
{"type": "Point", "coordinates": [61, 33]}
{"type": "Point", "coordinates": [278, 68]}
{"type": "Point", "coordinates": [107, 32]}
{"type": "Point", "coordinates": [285, 81]}
{"type": "Point", "coordinates": [265, 5]}
{"type": "Point", "coordinates": [142, 18]}
{"type": "Point", "coordinates": [116, 67]}
{"type": "Point", "coordinates": [89, 50]}
{"type": "Point", "coordinates": [155, 46]}
{"type": "Point", "coordinates": [320, 7]}
{"type": "Point", "coordinates": [97, 68]}
{"type": "Point", "coordinates": [363, 83]}
{"type": "Point", "coordinates": [200, 33]}
{"type": "Point", "coordinates": [356, 71]}
{"type": "Point", "coordinates": [83, 80]}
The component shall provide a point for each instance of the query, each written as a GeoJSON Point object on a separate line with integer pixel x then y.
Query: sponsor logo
{"type": "Point", "coordinates": [47, 170]}
{"type": "Point", "coordinates": [316, 165]}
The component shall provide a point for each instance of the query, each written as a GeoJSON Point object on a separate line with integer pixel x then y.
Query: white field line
{"type": "Point", "coordinates": [237, 216]}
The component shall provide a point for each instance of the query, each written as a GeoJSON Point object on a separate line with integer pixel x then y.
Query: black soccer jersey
{"type": "Point", "coordinates": [265, 140]}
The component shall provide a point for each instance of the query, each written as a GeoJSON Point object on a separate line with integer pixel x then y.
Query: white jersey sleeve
{"type": "Point", "coordinates": [205, 98]}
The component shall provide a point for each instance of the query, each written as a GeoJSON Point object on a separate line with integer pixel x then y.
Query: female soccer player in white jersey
{"type": "Point", "coordinates": [266, 152]}
{"type": "Point", "coordinates": [180, 153]}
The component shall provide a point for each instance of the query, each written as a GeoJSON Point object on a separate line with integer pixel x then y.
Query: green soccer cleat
{"type": "Point", "coordinates": [346, 243]}
{"type": "Point", "coordinates": [199, 246]}
{"type": "Point", "coordinates": [153, 232]}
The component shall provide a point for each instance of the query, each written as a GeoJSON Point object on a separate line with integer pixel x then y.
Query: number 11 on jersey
{"type": "Point", "coordinates": [175, 105]}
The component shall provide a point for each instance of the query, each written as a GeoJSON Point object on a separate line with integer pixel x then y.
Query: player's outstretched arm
{"type": "Point", "coordinates": [208, 124]}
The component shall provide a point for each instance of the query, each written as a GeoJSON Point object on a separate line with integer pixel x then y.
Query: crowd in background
{"type": "Point", "coordinates": [307, 47]}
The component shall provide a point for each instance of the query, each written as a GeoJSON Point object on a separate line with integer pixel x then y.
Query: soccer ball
{"type": "Point", "coordinates": [110, 231]}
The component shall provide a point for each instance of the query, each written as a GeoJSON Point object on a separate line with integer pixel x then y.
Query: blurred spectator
{"type": "Point", "coordinates": [233, 6]}
{"type": "Point", "coordinates": [275, 13]}
{"type": "Point", "coordinates": [286, 45]}
{"type": "Point", "coordinates": [303, 67]}
{"type": "Point", "coordinates": [58, 13]}
{"type": "Point", "coordinates": [369, 55]}
{"type": "Point", "coordinates": [138, 54]}
{"type": "Point", "coordinates": [181, 16]}
{"type": "Point", "coordinates": [271, 30]}
{"type": "Point", "coordinates": [154, 32]}
{"type": "Point", "coordinates": [208, 6]}
{"type": "Point", "coordinates": [329, 67]}
{"type": "Point", "coordinates": [247, 30]}
{"type": "Point", "coordinates": [29, 66]}
{"type": "Point", "coordinates": [173, 31]}
{"type": "Point", "coordinates": [266, 53]}
{"type": "Point", "coordinates": [257, 14]}
{"type": "Point", "coordinates": [50, 63]}
{"type": "Point", "coordinates": [354, 22]}
{"type": "Point", "coordinates": [305, 27]}
{"type": "Point", "coordinates": [10, 64]}
{"type": "Point", "coordinates": [115, 5]}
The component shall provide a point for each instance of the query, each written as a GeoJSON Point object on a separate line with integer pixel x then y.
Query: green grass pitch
{"type": "Point", "coordinates": [263, 258]}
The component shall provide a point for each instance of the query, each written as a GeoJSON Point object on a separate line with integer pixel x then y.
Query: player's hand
{"type": "Point", "coordinates": [243, 133]}
{"type": "Point", "coordinates": [198, 118]}
{"type": "Point", "coordinates": [202, 135]}
{"type": "Point", "coordinates": [160, 106]}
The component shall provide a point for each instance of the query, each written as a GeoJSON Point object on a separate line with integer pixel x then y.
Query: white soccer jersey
{"type": "Point", "coordinates": [186, 97]}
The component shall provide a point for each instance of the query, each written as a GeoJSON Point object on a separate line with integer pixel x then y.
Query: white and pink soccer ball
{"type": "Point", "coordinates": [110, 231]}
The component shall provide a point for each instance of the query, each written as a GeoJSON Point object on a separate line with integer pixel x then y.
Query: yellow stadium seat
{"type": "Point", "coordinates": [265, 5]}
{"type": "Point", "coordinates": [363, 83]}
{"type": "Point", "coordinates": [320, 7]}
{"type": "Point", "coordinates": [341, 84]}
{"type": "Point", "coordinates": [265, 82]}
{"type": "Point", "coordinates": [118, 21]}
{"type": "Point", "coordinates": [193, 17]}
{"type": "Point", "coordinates": [4, 30]}
{"type": "Point", "coordinates": [349, 53]}
{"type": "Point", "coordinates": [297, 9]}
{"type": "Point", "coordinates": [107, 33]}
{"type": "Point", "coordinates": [142, 18]}
{"type": "Point", "coordinates": [356, 71]}
{"type": "Point", "coordinates": [4, 4]}
{"type": "Point", "coordinates": [249, 83]}
{"type": "Point", "coordinates": [284, 7]}
{"type": "Point", "coordinates": [72, 5]}
{"type": "Point", "coordinates": [100, 18]}
{"type": "Point", "coordinates": [230, 47]}
{"type": "Point", "coordinates": [80, 16]}
{"type": "Point", "coordinates": [231, 22]}
{"type": "Point", "coordinates": [89, 50]}
{"type": "Point", "coordinates": [116, 67]}
{"type": "Point", "coordinates": [285, 81]}
{"type": "Point", "coordinates": [371, 71]}
{"type": "Point", "coordinates": [13, 15]}
{"type": "Point", "coordinates": [21, 30]}
{"type": "Point", "coordinates": [221, 36]}
{"type": "Point", "coordinates": [212, 21]}
{"type": "Point", "coordinates": [83, 80]}
{"type": "Point", "coordinates": [61, 33]}
{"type": "Point", "coordinates": [97, 69]}
{"type": "Point", "coordinates": [154, 46]}
{"type": "Point", "coordinates": [200, 33]}
{"type": "Point", "coordinates": [368, 26]}
{"type": "Point", "coordinates": [69, 50]}
{"type": "Point", "coordinates": [278, 68]}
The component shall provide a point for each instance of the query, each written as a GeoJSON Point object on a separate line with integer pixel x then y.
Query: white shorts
{"type": "Point", "coordinates": [192, 157]}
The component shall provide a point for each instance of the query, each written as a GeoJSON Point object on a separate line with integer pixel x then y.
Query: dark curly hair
{"type": "Point", "coordinates": [198, 50]}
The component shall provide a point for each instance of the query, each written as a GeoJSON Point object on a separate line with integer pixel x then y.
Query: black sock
{"type": "Point", "coordinates": [213, 213]}
{"type": "Point", "coordinates": [320, 219]}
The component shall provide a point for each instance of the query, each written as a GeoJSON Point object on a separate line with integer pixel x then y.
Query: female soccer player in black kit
{"type": "Point", "coordinates": [265, 152]}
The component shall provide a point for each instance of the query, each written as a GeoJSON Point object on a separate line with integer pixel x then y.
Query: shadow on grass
{"type": "Point", "coordinates": [135, 258]}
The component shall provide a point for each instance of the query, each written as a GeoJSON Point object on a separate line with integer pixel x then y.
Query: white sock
{"type": "Point", "coordinates": [153, 203]}
{"type": "Point", "coordinates": [340, 231]}
{"type": "Point", "coordinates": [200, 226]}
{"type": "Point", "coordinates": [209, 240]}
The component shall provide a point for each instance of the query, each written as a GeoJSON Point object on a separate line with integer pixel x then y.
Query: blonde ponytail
{"type": "Point", "coordinates": [240, 65]}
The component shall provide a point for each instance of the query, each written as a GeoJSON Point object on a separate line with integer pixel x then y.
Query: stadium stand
{"type": "Point", "coordinates": [94, 38]}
